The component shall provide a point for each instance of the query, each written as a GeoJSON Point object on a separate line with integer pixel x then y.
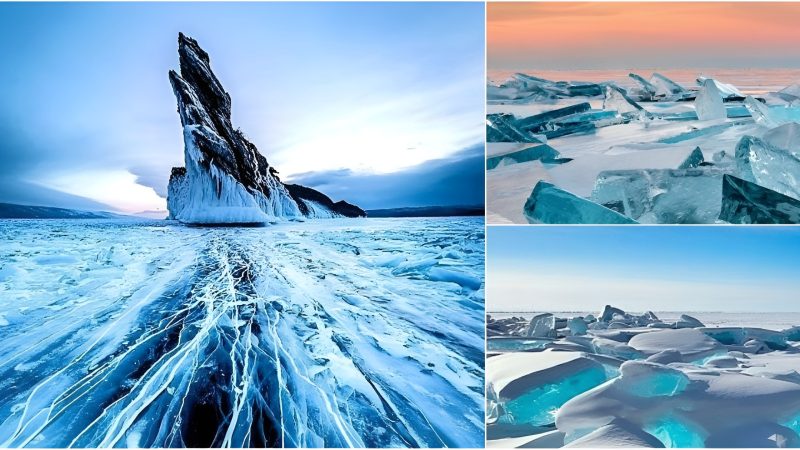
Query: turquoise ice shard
{"type": "Point", "coordinates": [726, 90]}
{"type": "Point", "coordinates": [549, 204]}
{"type": "Point", "coordinates": [744, 202]}
{"type": "Point", "coordinates": [664, 86]}
{"type": "Point", "coordinates": [662, 195]}
{"type": "Point", "coordinates": [708, 102]}
{"type": "Point", "coordinates": [693, 160]}
{"type": "Point", "coordinates": [616, 99]}
{"type": "Point", "coordinates": [543, 153]}
{"type": "Point", "coordinates": [785, 137]}
{"type": "Point", "coordinates": [536, 122]}
{"type": "Point", "coordinates": [771, 167]}
{"type": "Point", "coordinates": [645, 85]}
{"type": "Point", "coordinates": [502, 128]}
{"type": "Point", "coordinates": [760, 112]}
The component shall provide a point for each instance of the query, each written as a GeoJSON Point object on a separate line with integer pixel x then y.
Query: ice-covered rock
{"type": "Point", "coordinates": [708, 102]}
{"type": "Point", "coordinates": [549, 204]}
{"type": "Point", "coordinates": [662, 195]}
{"type": "Point", "coordinates": [225, 179]}
{"type": "Point", "coordinates": [694, 159]}
{"type": "Point", "coordinates": [768, 166]}
{"type": "Point", "coordinates": [744, 202]}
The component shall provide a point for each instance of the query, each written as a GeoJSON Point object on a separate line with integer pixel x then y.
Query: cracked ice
{"type": "Point", "coordinates": [338, 334]}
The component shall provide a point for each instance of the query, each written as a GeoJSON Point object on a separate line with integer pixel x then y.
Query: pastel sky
{"type": "Point", "coordinates": [611, 35]}
{"type": "Point", "coordinates": [339, 93]}
{"type": "Point", "coordinates": [659, 268]}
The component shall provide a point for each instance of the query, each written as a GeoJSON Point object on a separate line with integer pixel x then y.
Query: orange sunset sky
{"type": "Point", "coordinates": [613, 35]}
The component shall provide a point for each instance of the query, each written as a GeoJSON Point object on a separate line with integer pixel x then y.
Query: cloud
{"type": "Point", "coordinates": [25, 193]}
{"type": "Point", "coordinates": [455, 180]}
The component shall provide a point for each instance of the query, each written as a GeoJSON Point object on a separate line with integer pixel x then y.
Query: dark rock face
{"type": "Point", "coordinates": [226, 179]}
{"type": "Point", "coordinates": [341, 207]}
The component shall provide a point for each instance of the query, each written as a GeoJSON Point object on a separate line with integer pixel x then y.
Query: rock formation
{"type": "Point", "coordinates": [226, 180]}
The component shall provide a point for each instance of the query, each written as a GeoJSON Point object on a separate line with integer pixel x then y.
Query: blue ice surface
{"type": "Point", "coordinates": [539, 405]}
{"type": "Point", "coordinates": [784, 114]}
{"type": "Point", "coordinates": [707, 131]}
{"type": "Point", "coordinates": [292, 335]}
{"type": "Point", "coordinates": [675, 432]}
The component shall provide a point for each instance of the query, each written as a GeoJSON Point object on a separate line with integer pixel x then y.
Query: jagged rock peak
{"type": "Point", "coordinates": [226, 179]}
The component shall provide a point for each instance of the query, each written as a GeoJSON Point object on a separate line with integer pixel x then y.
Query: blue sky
{"type": "Point", "coordinates": [350, 92]}
{"type": "Point", "coordinates": [643, 268]}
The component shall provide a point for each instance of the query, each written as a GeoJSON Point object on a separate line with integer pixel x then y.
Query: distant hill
{"type": "Point", "coordinates": [13, 211]}
{"type": "Point", "coordinates": [428, 211]}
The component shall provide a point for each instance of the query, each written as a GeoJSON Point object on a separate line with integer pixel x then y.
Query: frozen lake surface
{"type": "Point", "coordinates": [690, 146]}
{"type": "Point", "coordinates": [336, 333]}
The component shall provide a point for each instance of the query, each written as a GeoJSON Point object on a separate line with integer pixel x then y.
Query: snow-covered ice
{"type": "Point", "coordinates": [637, 380]}
{"type": "Point", "coordinates": [335, 333]}
{"type": "Point", "coordinates": [643, 134]}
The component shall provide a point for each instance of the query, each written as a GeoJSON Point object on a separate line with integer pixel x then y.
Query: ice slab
{"type": "Point", "coordinates": [760, 112]}
{"type": "Point", "coordinates": [768, 166]}
{"type": "Point", "coordinates": [503, 128]}
{"type": "Point", "coordinates": [543, 153]}
{"type": "Point", "coordinates": [785, 137]}
{"type": "Point", "coordinates": [664, 86]}
{"type": "Point", "coordinates": [538, 121]}
{"type": "Point", "coordinates": [528, 388]}
{"type": "Point", "coordinates": [744, 202]}
{"type": "Point", "coordinates": [542, 325]}
{"type": "Point", "coordinates": [549, 204]}
{"type": "Point", "coordinates": [617, 100]}
{"type": "Point", "coordinates": [708, 102]}
{"type": "Point", "coordinates": [662, 196]}
{"type": "Point", "coordinates": [693, 160]}
{"type": "Point", "coordinates": [646, 86]}
{"type": "Point", "coordinates": [726, 90]}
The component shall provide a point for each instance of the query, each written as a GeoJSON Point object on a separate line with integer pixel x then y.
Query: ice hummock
{"type": "Point", "coordinates": [667, 384]}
